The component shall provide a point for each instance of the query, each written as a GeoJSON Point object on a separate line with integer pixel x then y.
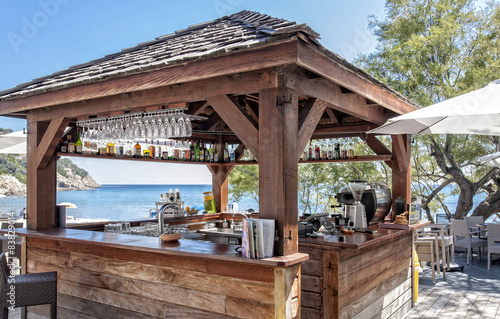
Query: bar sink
{"type": "Point", "coordinates": [221, 235]}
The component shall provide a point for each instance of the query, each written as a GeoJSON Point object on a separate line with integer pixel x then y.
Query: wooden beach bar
{"type": "Point", "coordinates": [265, 84]}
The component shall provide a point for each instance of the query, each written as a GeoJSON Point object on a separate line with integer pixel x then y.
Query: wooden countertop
{"type": "Point", "coordinates": [359, 240]}
{"type": "Point", "coordinates": [188, 248]}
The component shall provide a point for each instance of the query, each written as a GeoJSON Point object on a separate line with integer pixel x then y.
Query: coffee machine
{"type": "Point", "coordinates": [356, 211]}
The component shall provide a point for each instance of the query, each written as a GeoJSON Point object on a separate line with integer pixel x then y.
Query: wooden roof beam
{"type": "Point", "coordinates": [315, 61]}
{"type": "Point", "coordinates": [401, 154]}
{"type": "Point", "coordinates": [50, 139]}
{"type": "Point", "coordinates": [377, 146]}
{"type": "Point", "coordinates": [186, 92]}
{"type": "Point", "coordinates": [237, 120]}
{"type": "Point", "coordinates": [323, 89]}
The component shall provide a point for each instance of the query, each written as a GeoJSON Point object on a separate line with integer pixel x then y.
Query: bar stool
{"type": "Point", "coordinates": [29, 289]}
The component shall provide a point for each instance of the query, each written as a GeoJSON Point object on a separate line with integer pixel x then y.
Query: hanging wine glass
{"type": "Point", "coordinates": [169, 127]}
{"type": "Point", "coordinates": [181, 127]}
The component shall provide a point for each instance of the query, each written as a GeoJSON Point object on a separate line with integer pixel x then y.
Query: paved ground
{"type": "Point", "coordinates": [473, 293]}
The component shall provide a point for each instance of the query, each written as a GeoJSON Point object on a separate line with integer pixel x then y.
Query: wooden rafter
{"type": "Point", "coordinates": [186, 92]}
{"type": "Point", "coordinates": [315, 61]}
{"type": "Point", "coordinates": [349, 103]}
{"type": "Point", "coordinates": [48, 144]}
{"type": "Point", "coordinates": [401, 154]}
{"type": "Point", "coordinates": [237, 121]}
{"type": "Point", "coordinates": [377, 146]}
{"type": "Point", "coordinates": [331, 115]}
{"type": "Point", "coordinates": [309, 117]}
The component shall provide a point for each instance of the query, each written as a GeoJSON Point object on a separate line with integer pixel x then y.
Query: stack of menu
{"type": "Point", "coordinates": [258, 238]}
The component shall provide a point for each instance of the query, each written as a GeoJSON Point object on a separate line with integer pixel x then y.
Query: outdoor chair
{"type": "Point", "coordinates": [472, 222]}
{"type": "Point", "coordinates": [493, 241]}
{"type": "Point", "coordinates": [463, 238]}
{"type": "Point", "coordinates": [445, 242]}
{"type": "Point", "coordinates": [426, 247]}
{"type": "Point", "coordinates": [29, 289]}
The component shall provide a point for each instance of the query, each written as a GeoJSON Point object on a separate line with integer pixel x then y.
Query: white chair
{"type": "Point", "coordinates": [426, 247]}
{"type": "Point", "coordinates": [463, 238]}
{"type": "Point", "coordinates": [445, 242]}
{"type": "Point", "coordinates": [493, 241]}
{"type": "Point", "coordinates": [472, 222]}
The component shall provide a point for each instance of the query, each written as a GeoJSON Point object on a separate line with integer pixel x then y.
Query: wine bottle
{"type": "Point", "coordinates": [79, 145]}
{"type": "Point", "coordinates": [191, 151]}
{"type": "Point", "coordinates": [226, 154]}
{"type": "Point", "coordinates": [202, 152]}
{"type": "Point", "coordinates": [196, 152]}
{"type": "Point", "coordinates": [216, 154]}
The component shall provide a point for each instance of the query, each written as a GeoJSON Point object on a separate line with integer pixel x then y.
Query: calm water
{"type": "Point", "coordinates": [121, 202]}
{"type": "Point", "coordinates": [127, 202]}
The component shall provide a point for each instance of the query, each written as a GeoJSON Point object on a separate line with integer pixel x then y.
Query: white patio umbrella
{"type": "Point", "coordinates": [13, 143]}
{"type": "Point", "coordinates": [476, 112]}
{"type": "Point", "coordinates": [491, 160]}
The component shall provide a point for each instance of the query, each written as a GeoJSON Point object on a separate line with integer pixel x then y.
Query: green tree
{"type": "Point", "coordinates": [432, 50]}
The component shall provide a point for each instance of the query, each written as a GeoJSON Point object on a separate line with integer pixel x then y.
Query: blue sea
{"type": "Point", "coordinates": [122, 202]}
{"type": "Point", "coordinates": [129, 202]}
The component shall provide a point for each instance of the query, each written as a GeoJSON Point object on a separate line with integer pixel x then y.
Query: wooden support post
{"type": "Point", "coordinates": [401, 169]}
{"type": "Point", "coordinates": [41, 181]}
{"type": "Point", "coordinates": [220, 186]}
{"type": "Point", "coordinates": [278, 164]}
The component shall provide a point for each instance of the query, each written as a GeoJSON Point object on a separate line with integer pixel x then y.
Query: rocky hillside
{"type": "Point", "coordinates": [13, 176]}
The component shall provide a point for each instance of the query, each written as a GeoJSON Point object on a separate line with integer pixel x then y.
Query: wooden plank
{"type": "Point", "coordinates": [41, 182]}
{"type": "Point", "coordinates": [312, 283]}
{"type": "Point", "coordinates": [193, 91]}
{"type": "Point", "coordinates": [242, 308]}
{"type": "Point", "coordinates": [330, 285]}
{"type": "Point", "coordinates": [50, 139]}
{"type": "Point", "coordinates": [452, 305]}
{"type": "Point", "coordinates": [310, 313]}
{"type": "Point", "coordinates": [315, 61]}
{"type": "Point", "coordinates": [376, 300]}
{"type": "Point", "coordinates": [377, 146]}
{"type": "Point", "coordinates": [285, 289]}
{"type": "Point", "coordinates": [313, 252]}
{"type": "Point", "coordinates": [233, 116]}
{"type": "Point", "coordinates": [401, 154]}
{"type": "Point", "coordinates": [96, 309]}
{"type": "Point", "coordinates": [308, 121]}
{"type": "Point", "coordinates": [312, 300]}
{"type": "Point", "coordinates": [331, 93]}
{"type": "Point", "coordinates": [332, 116]}
{"type": "Point", "coordinates": [401, 312]}
{"type": "Point", "coordinates": [269, 56]}
{"type": "Point", "coordinates": [312, 267]}
{"type": "Point", "coordinates": [476, 310]}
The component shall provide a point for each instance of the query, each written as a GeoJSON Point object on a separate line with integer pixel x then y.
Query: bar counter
{"type": "Point", "coordinates": [108, 275]}
{"type": "Point", "coordinates": [365, 276]}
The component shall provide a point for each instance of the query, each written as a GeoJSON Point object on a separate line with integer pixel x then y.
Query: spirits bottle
{"type": "Point", "coordinates": [152, 150]}
{"type": "Point", "coordinates": [226, 154]}
{"type": "Point", "coordinates": [337, 150]}
{"type": "Point", "coordinates": [158, 150]}
{"type": "Point", "coordinates": [232, 154]}
{"type": "Point", "coordinates": [310, 155]}
{"type": "Point", "coordinates": [330, 150]}
{"type": "Point", "coordinates": [196, 152]}
{"type": "Point", "coordinates": [79, 145]}
{"type": "Point", "coordinates": [137, 150]}
{"type": "Point", "coordinates": [216, 154]}
{"type": "Point", "coordinates": [71, 145]}
{"type": "Point", "coordinates": [63, 147]}
{"type": "Point", "coordinates": [191, 150]}
{"type": "Point", "coordinates": [317, 151]}
{"type": "Point", "coordinates": [350, 150]}
{"type": "Point", "coordinates": [211, 154]}
{"type": "Point", "coordinates": [202, 152]}
{"type": "Point", "coordinates": [187, 151]}
{"type": "Point", "coordinates": [110, 149]}
{"type": "Point", "coordinates": [324, 151]}
{"type": "Point", "coordinates": [164, 154]}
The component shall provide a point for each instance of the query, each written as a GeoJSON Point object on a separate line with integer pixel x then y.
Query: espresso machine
{"type": "Point", "coordinates": [356, 211]}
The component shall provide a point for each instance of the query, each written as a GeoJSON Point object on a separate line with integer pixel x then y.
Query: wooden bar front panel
{"type": "Point", "coordinates": [374, 281]}
{"type": "Point", "coordinates": [115, 283]}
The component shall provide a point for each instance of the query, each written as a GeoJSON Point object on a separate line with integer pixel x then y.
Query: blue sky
{"type": "Point", "coordinates": [39, 37]}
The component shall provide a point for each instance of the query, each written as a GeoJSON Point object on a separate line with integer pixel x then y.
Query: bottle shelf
{"type": "Point", "coordinates": [367, 158]}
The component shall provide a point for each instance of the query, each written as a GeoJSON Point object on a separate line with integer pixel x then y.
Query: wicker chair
{"type": "Point", "coordinates": [28, 290]}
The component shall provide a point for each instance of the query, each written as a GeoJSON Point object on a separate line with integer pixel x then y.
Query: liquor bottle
{"type": "Point", "coordinates": [187, 151]}
{"type": "Point", "coordinates": [63, 147]}
{"type": "Point", "coordinates": [191, 151]}
{"type": "Point", "coordinates": [158, 150]}
{"type": "Point", "coordinates": [350, 150]}
{"type": "Point", "coordinates": [329, 152]}
{"type": "Point", "coordinates": [216, 154]}
{"type": "Point", "coordinates": [137, 150]}
{"type": "Point", "coordinates": [324, 151]}
{"type": "Point", "coordinates": [110, 149]}
{"type": "Point", "coordinates": [164, 154]}
{"type": "Point", "coordinates": [226, 154]}
{"type": "Point", "coordinates": [337, 150]}
{"type": "Point", "coordinates": [343, 150]}
{"type": "Point", "coordinates": [232, 154]}
{"type": "Point", "coordinates": [71, 145]}
{"type": "Point", "coordinates": [79, 145]}
{"type": "Point", "coordinates": [211, 154]}
{"type": "Point", "coordinates": [202, 152]}
{"type": "Point", "coordinates": [196, 152]}
{"type": "Point", "coordinates": [152, 150]}
{"type": "Point", "coordinates": [317, 151]}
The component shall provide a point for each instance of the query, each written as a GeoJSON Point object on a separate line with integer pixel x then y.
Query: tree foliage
{"type": "Point", "coordinates": [432, 50]}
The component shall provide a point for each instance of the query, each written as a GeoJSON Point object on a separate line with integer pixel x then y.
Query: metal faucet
{"type": "Point", "coordinates": [237, 213]}
{"type": "Point", "coordinates": [161, 219]}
